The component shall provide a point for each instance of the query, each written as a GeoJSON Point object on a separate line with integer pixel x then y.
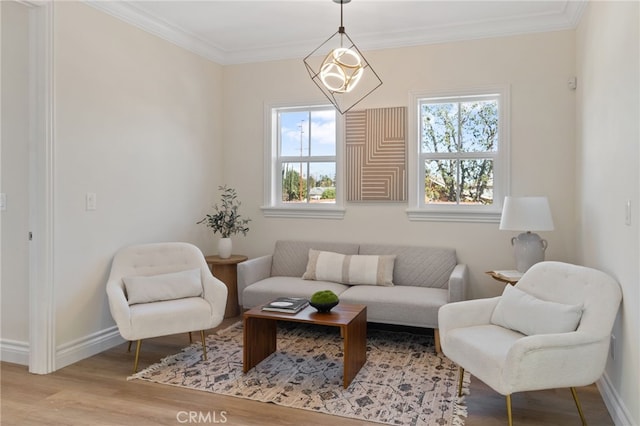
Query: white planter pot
{"type": "Point", "coordinates": [224, 248]}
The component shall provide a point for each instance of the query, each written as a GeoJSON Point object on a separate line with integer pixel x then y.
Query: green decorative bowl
{"type": "Point", "coordinates": [324, 307]}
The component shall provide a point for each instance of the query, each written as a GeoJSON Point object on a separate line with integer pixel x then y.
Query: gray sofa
{"type": "Point", "coordinates": [425, 278]}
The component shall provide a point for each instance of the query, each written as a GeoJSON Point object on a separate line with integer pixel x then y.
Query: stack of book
{"type": "Point", "coordinates": [290, 305]}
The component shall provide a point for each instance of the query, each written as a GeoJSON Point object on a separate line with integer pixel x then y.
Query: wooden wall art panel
{"type": "Point", "coordinates": [376, 151]}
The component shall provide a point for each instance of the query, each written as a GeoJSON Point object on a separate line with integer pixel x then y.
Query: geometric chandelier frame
{"type": "Point", "coordinates": [340, 70]}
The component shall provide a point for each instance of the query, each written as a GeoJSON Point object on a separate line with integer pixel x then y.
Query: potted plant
{"type": "Point", "coordinates": [324, 300]}
{"type": "Point", "coordinates": [226, 220]}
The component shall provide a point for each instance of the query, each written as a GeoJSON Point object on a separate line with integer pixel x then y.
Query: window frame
{"type": "Point", "coordinates": [419, 210]}
{"type": "Point", "coordinates": [273, 205]}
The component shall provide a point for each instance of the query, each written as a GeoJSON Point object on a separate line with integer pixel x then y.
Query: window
{"type": "Point", "coordinates": [460, 169]}
{"type": "Point", "coordinates": [302, 162]}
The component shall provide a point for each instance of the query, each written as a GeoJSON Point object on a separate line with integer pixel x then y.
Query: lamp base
{"type": "Point", "coordinates": [529, 249]}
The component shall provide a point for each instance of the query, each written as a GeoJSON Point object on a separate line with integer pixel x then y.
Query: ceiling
{"type": "Point", "coordinates": [240, 31]}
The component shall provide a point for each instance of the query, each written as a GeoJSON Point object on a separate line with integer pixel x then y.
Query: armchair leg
{"type": "Point", "coordinates": [135, 363]}
{"type": "Point", "coordinates": [204, 346]}
{"type": "Point", "coordinates": [436, 339]}
{"type": "Point", "coordinates": [190, 338]}
{"type": "Point", "coordinates": [129, 348]}
{"type": "Point", "coordinates": [577, 401]}
{"type": "Point", "coordinates": [509, 418]}
{"type": "Point", "coordinates": [460, 381]}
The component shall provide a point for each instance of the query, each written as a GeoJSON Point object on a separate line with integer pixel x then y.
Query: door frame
{"type": "Point", "coordinates": [42, 336]}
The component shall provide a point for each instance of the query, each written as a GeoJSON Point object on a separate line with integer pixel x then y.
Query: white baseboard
{"type": "Point", "coordinates": [87, 346]}
{"type": "Point", "coordinates": [18, 352]}
{"type": "Point", "coordinates": [615, 405]}
{"type": "Point", "coordinates": [14, 351]}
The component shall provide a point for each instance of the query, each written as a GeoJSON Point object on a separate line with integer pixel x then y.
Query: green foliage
{"type": "Point", "coordinates": [329, 194]}
{"type": "Point", "coordinates": [325, 181]}
{"type": "Point", "coordinates": [323, 297]}
{"type": "Point", "coordinates": [300, 189]}
{"type": "Point", "coordinates": [226, 220]}
{"type": "Point", "coordinates": [291, 185]}
{"type": "Point", "coordinates": [459, 128]}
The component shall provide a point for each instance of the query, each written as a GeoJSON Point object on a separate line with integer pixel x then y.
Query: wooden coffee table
{"type": "Point", "coordinates": [259, 332]}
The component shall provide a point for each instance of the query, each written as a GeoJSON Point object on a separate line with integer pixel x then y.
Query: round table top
{"type": "Point", "coordinates": [217, 260]}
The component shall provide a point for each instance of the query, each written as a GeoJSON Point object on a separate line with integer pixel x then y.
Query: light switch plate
{"type": "Point", "coordinates": [627, 213]}
{"type": "Point", "coordinates": [92, 201]}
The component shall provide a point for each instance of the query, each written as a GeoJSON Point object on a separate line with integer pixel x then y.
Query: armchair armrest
{"type": "Point", "coordinates": [465, 314]}
{"type": "Point", "coordinates": [215, 293]}
{"type": "Point", "coordinates": [458, 283]}
{"type": "Point", "coordinates": [251, 271]}
{"type": "Point", "coordinates": [119, 306]}
{"type": "Point", "coordinates": [570, 359]}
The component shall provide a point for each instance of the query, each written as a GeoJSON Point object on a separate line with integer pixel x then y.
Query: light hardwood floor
{"type": "Point", "coordinates": [95, 392]}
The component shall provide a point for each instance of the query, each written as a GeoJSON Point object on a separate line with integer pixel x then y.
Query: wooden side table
{"type": "Point", "coordinates": [226, 270]}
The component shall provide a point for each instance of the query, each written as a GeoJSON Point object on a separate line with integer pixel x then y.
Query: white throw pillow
{"type": "Point", "coordinates": [529, 315]}
{"type": "Point", "coordinates": [154, 288]}
{"type": "Point", "coordinates": [350, 269]}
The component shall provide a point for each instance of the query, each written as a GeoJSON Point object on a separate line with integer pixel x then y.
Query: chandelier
{"type": "Point", "coordinates": [340, 70]}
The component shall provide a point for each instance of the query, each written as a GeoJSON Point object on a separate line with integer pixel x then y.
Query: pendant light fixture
{"type": "Point", "coordinates": [340, 70]}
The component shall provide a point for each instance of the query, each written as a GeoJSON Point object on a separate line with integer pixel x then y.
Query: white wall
{"type": "Point", "coordinates": [15, 160]}
{"type": "Point", "coordinates": [608, 123]}
{"type": "Point", "coordinates": [536, 67]}
{"type": "Point", "coordinates": [138, 122]}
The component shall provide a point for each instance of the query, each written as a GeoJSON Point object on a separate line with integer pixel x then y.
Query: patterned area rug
{"type": "Point", "coordinates": [403, 382]}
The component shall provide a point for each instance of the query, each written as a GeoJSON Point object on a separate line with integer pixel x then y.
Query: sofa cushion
{"type": "Point", "coordinates": [290, 257]}
{"type": "Point", "coordinates": [169, 317]}
{"type": "Point", "coordinates": [154, 288]}
{"type": "Point", "coordinates": [417, 266]}
{"type": "Point", "coordinates": [529, 315]}
{"type": "Point", "coordinates": [406, 305]}
{"type": "Point", "coordinates": [268, 289]}
{"type": "Point", "coordinates": [350, 269]}
{"type": "Point", "coordinates": [468, 346]}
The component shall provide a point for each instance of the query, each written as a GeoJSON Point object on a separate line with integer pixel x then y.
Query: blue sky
{"type": "Point", "coordinates": [317, 131]}
{"type": "Point", "coordinates": [320, 125]}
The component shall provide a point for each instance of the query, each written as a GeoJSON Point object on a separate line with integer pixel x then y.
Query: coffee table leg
{"type": "Point", "coordinates": [355, 347]}
{"type": "Point", "coordinates": [259, 338]}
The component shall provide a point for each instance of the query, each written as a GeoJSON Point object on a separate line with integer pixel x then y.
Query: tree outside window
{"type": "Point", "coordinates": [459, 141]}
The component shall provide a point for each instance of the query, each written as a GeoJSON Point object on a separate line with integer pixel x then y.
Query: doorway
{"type": "Point", "coordinates": [26, 154]}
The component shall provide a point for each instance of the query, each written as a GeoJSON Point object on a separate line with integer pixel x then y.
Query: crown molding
{"type": "Point", "coordinates": [566, 19]}
{"type": "Point", "coordinates": [156, 26]}
{"type": "Point", "coordinates": [568, 16]}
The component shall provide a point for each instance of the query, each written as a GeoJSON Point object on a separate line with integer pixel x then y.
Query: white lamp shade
{"type": "Point", "coordinates": [526, 214]}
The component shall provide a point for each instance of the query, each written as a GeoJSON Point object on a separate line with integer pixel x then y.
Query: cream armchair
{"type": "Point", "coordinates": [162, 289]}
{"type": "Point", "coordinates": [552, 330]}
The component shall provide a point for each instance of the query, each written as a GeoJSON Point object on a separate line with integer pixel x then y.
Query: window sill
{"type": "Point", "coordinates": [304, 212]}
{"type": "Point", "coordinates": [452, 216]}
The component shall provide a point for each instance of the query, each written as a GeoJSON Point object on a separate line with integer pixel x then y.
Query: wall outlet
{"type": "Point", "coordinates": [612, 346]}
{"type": "Point", "coordinates": [3, 201]}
